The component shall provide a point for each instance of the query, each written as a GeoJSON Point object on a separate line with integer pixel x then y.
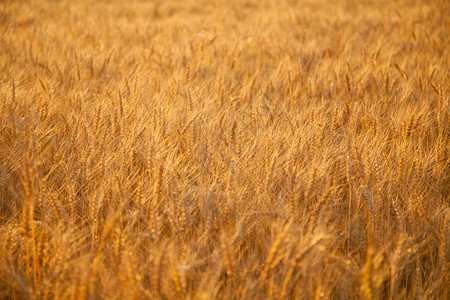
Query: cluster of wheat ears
{"type": "Point", "coordinates": [224, 149]}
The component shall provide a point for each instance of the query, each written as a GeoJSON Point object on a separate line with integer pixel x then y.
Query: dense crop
{"type": "Point", "coordinates": [224, 149]}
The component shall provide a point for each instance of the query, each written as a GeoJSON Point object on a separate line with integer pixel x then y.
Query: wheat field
{"type": "Point", "coordinates": [224, 149]}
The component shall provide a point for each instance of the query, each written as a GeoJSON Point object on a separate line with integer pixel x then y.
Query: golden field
{"type": "Point", "coordinates": [224, 149]}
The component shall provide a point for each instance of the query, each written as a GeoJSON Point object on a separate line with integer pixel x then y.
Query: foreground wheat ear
{"type": "Point", "coordinates": [216, 150]}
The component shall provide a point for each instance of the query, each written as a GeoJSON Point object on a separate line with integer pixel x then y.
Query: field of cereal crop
{"type": "Point", "coordinates": [224, 149]}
